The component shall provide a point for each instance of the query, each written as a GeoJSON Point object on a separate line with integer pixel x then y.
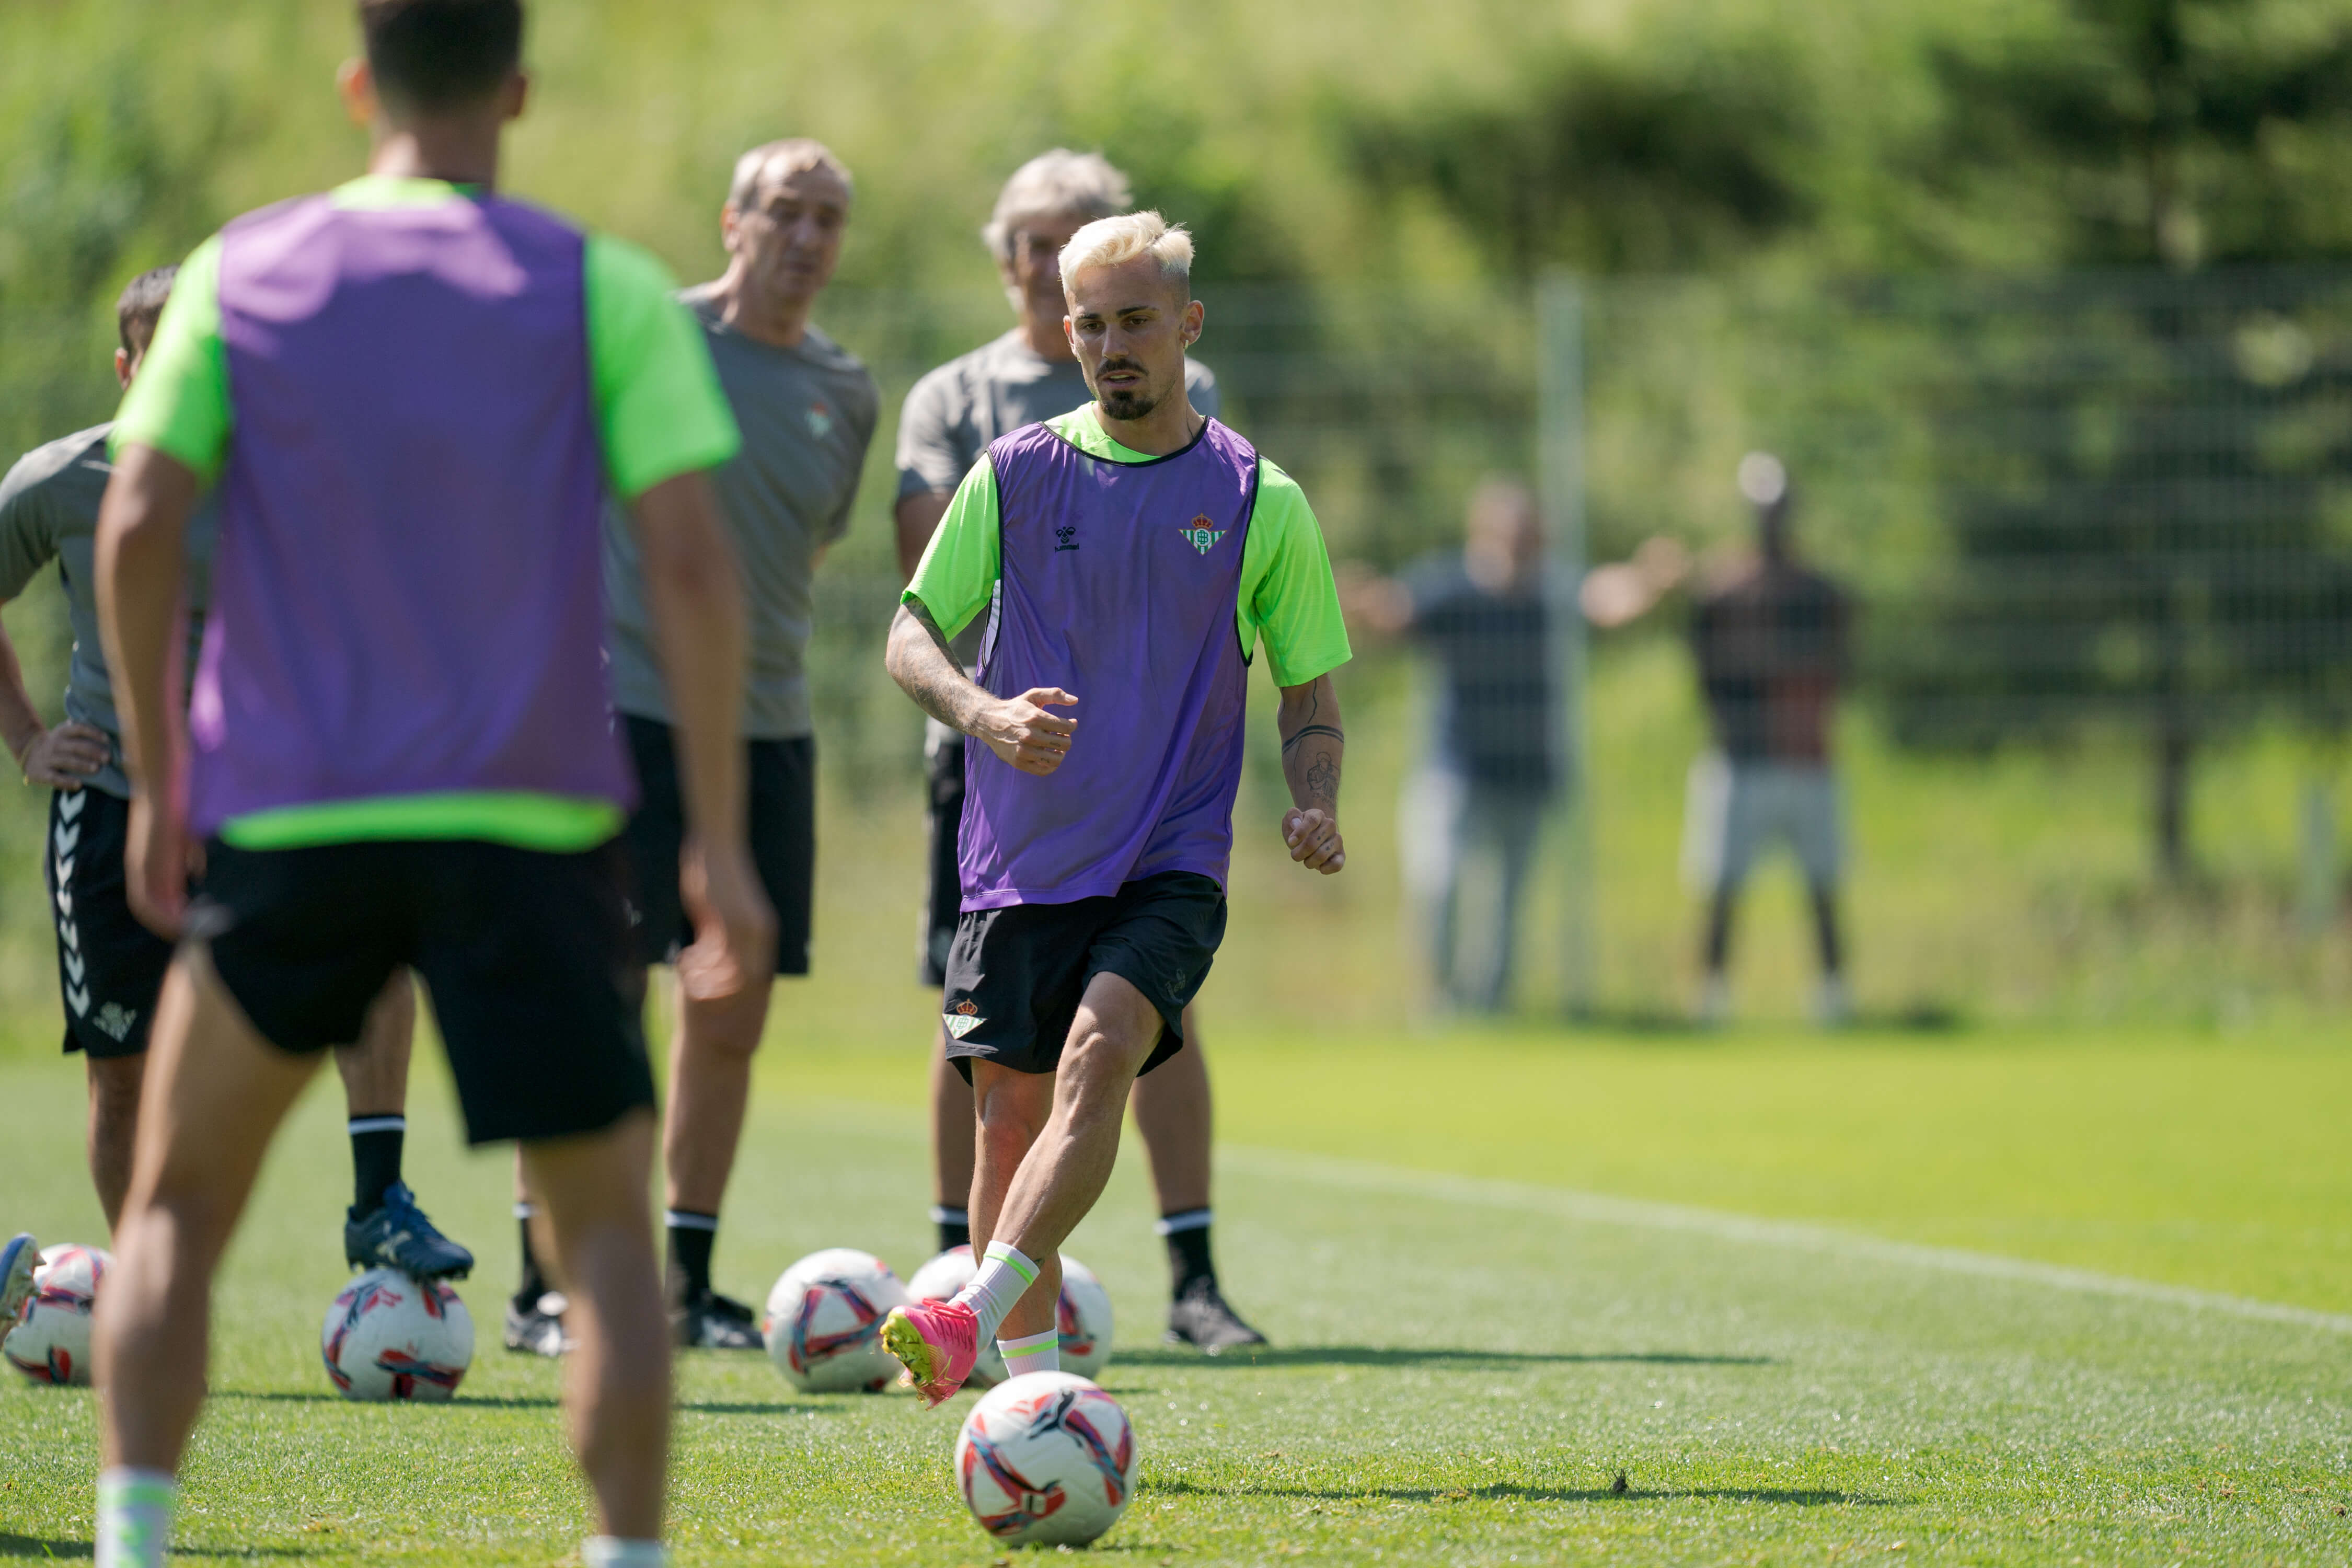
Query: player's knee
{"type": "Point", "coordinates": [1099, 1067]}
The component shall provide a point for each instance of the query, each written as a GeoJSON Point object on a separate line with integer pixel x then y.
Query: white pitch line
{"type": "Point", "coordinates": [1596, 1209]}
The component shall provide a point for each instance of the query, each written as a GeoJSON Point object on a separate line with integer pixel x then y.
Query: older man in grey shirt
{"type": "Point", "coordinates": [807, 410]}
{"type": "Point", "coordinates": [952, 414]}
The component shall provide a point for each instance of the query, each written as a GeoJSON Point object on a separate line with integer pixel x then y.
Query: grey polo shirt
{"type": "Point", "coordinates": [807, 414]}
{"type": "Point", "coordinates": [49, 509]}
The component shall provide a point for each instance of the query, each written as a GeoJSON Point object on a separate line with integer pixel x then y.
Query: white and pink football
{"type": "Point", "coordinates": [49, 1342]}
{"type": "Point", "coordinates": [823, 1324]}
{"type": "Point", "coordinates": [389, 1336]}
{"type": "Point", "coordinates": [1048, 1459]}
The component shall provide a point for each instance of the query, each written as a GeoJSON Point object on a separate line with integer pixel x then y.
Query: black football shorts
{"type": "Point", "coordinates": [525, 954]}
{"type": "Point", "coordinates": [780, 776]}
{"type": "Point", "coordinates": [1015, 975]}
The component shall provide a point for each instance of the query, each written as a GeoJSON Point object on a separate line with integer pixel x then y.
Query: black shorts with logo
{"type": "Point", "coordinates": [1017, 973]}
{"type": "Point", "coordinates": [943, 911]}
{"type": "Point", "coordinates": [782, 780]}
{"type": "Point", "coordinates": [110, 967]}
{"type": "Point", "coordinates": [525, 954]}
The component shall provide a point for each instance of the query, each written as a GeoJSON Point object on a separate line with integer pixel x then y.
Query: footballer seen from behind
{"type": "Point", "coordinates": [413, 396]}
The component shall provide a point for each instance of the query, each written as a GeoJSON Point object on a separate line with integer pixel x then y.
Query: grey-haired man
{"type": "Point", "coordinates": [1027, 375]}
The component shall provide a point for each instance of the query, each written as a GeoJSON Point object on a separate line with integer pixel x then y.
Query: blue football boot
{"type": "Point", "coordinates": [398, 1236]}
{"type": "Point", "coordinates": [18, 1261]}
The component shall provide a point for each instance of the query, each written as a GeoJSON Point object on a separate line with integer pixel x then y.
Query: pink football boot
{"type": "Point", "coordinates": [937, 1341]}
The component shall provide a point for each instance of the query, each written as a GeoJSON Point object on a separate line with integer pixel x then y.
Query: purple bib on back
{"type": "Point", "coordinates": [1119, 583]}
{"type": "Point", "coordinates": [408, 596]}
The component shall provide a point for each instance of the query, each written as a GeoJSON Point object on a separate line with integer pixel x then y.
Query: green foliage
{"type": "Point", "coordinates": [1604, 163]}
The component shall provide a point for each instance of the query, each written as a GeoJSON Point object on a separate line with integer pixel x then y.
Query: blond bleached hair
{"type": "Point", "coordinates": [1113, 241]}
{"type": "Point", "coordinates": [781, 160]}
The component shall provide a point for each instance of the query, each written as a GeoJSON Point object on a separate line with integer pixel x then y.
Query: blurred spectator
{"type": "Point", "coordinates": [1485, 615]}
{"type": "Point", "coordinates": [1771, 642]}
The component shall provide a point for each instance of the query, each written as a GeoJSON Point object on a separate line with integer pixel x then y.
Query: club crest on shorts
{"type": "Point", "coordinates": [1199, 535]}
{"type": "Point", "coordinates": [962, 1018]}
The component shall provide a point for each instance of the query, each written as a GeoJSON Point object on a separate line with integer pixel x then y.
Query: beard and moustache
{"type": "Point", "coordinates": [1120, 403]}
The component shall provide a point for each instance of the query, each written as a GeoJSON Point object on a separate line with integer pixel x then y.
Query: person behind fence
{"type": "Point", "coordinates": [1485, 615]}
{"type": "Point", "coordinates": [1769, 639]}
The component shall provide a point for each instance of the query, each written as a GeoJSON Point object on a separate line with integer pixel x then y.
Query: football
{"type": "Point", "coordinates": [1045, 1460]}
{"type": "Point", "coordinates": [49, 1342]}
{"type": "Point", "coordinates": [391, 1337]}
{"type": "Point", "coordinates": [1083, 1316]}
{"type": "Point", "coordinates": [940, 1279]}
{"type": "Point", "coordinates": [823, 1323]}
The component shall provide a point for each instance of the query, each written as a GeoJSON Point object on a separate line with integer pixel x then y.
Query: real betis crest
{"type": "Point", "coordinates": [1199, 535]}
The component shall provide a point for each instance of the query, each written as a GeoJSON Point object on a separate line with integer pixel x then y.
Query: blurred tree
{"type": "Point", "coordinates": [1600, 163]}
{"type": "Point", "coordinates": [2156, 537]}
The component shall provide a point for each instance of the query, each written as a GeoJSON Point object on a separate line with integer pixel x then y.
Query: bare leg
{"type": "Point", "coordinates": [1175, 1113]}
{"type": "Point", "coordinates": [1070, 1159]}
{"type": "Point", "coordinates": [374, 1067]}
{"type": "Point", "coordinates": [1011, 1109]}
{"type": "Point", "coordinates": [220, 1092]}
{"type": "Point", "coordinates": [709, 1088]}
{"type": "Point", "coordinates": [617, 1387]}
{"type": "Point", "coordinates": [952, 1130]}
{"type": "Point", "coordinates": [113, 1127]}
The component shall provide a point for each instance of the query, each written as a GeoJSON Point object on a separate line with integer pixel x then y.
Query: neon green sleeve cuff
{"type": "Point", "coordinates": [660, 406]}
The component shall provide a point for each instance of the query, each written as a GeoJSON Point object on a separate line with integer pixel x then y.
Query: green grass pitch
{"type": "Point", "coordinates": [1728, 1270]}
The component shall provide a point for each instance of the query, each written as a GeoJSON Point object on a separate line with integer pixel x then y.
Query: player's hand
{"type": "Point", "coordinates": [1020, 731]}
{"type": "Point", "coordinates": [1313, 835]}
{"type": "Point", "coordinates": [62, 758]}
{"type": "Point", "coordinates": [734, 945]}
{"type": "Point", "coordinates": [155, 866]}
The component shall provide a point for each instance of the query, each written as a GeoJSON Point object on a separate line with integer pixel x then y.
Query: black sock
{"type": "Point", "coordinates": [955, 1226]}
{"type": "Point", "coordinates": [534, 1280]}
{"type": "Point", "coordinates": [375, 1159]}
{"type": "Point", "coordinates": [691, 1237]}
{"type": "Point", "coordinates": [1188, 1250]}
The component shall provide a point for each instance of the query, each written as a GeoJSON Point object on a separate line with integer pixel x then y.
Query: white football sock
{"type": "Point", "coordinates": [618, 1552]}
{"type": "Point", "coordinates": [134, 1517]}
{"type": "Point", "coordinates": [1003, 1279]}
{"type": "Point", "coordinates": [1038, 1352]}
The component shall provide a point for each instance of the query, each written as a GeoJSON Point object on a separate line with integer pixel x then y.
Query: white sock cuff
{"type": "Point", "coordinates": [1029, 1345]}
{"type": "Point", "coordinates": [131, 1483]}
{"type": "Point", "coordinates": [616, 1552]}
{"type": "Point", "coordinates": [942, 1214]}
{"type": "Point", "coordinates": [1190, 1219]}
{"type": "Point", "coordinates": [1012, 1257]}
{"type": "Point", "coordinates": [360, 1124]}
{"type": "Point", "coordinates": [683, 1219]}
{"type": "Point", "coordinates": [525, 1209]}
{"type": "Point", "coordinates": [134, 1517]}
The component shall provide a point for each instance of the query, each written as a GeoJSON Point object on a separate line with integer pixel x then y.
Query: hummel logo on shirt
{"type": "Point", "coordinates": [1200, 536]}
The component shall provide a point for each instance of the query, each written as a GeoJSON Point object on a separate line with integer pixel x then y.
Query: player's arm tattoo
{"type": "Point", "coordinates": [1313, 744]}
{"type": "Point", "coordinates": [923, 665]}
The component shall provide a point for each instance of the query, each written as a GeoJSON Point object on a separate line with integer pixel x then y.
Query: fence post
{"type": "Point", "coordinates": [1559, 442]}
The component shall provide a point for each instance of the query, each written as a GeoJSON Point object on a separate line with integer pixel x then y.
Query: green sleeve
{"type": "Point", "coordinates": [1288, 595]}
{"type": "Point", "coordinates": [178, 404]}
{"type": "Point", "coordinates": [658, 403]}
{"type": "Point", "coordinates": [957, 576]}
